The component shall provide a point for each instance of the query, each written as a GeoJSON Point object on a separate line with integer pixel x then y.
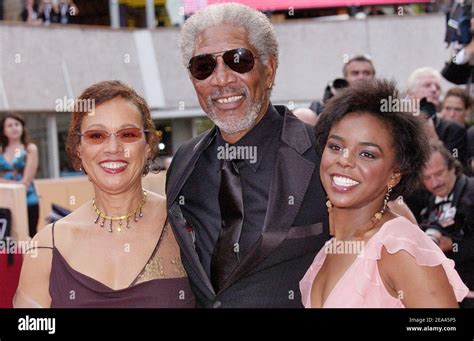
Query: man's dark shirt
{"type": "Point", "coordinates": [199, 197]}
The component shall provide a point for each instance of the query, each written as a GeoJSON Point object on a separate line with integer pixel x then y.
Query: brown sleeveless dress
{"type": "Point", "coordinates": [69, 288]}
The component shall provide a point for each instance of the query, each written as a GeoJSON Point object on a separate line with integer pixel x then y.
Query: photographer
{"type": "Point", "coordinates": [358, 68]}
{"type": "Point", "coordinates": [329, 92]}
{"type": "Point", "coordinates": [460, 25]}
{"type": "Point", "coordinates": [449, 217]}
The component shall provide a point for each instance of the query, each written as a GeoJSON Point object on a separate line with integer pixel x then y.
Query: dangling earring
{"type": "Point", "coordinates": [378, 215]}
{"type": "Point", "coordinates": [330, 206]}
{"type": "Point", "coordinates": [146, 169]}
{"type": "Point", "coordinates": [387, 199]}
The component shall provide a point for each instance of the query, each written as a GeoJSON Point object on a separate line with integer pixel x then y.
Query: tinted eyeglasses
{"type": "Point", "coordinates": [127, 135]}
{"type": "Point", "coordinates": [240, 60]}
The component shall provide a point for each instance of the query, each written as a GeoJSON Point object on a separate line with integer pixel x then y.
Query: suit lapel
{"type": "Point", "coordinates": [177, 220]}
{"type": "Point", "coordinates": [290, 180]}
{"type": "Point", "coordinates": [186, 166]}
{"type": "Point", "coordinates": [186, 243]}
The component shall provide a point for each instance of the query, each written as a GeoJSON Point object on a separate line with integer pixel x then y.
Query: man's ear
{"type": "Point", "coordinates": [270, 71]}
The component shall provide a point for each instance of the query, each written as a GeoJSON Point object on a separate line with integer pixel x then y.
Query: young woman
{"type": "Point", "coordinates": [19, 162]}
{"type": "Point", "coordinates": [375, 258]}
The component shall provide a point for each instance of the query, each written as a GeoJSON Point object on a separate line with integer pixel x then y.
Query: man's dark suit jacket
{"type": "Point", "coordinates": [453, 136]}
{"type": "Point", "coordinates": [464, 256]}
{"type": "Point", "coordinates": [268, 276]}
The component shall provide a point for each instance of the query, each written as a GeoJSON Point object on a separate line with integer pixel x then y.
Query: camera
{"type": "Point", "coordinates": [333, 87]}
{"type": "Point", "coordinates": [428, 108]}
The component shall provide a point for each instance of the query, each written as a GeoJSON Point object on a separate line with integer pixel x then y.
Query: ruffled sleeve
{"type": "Point", "coordinates": [400, 234]}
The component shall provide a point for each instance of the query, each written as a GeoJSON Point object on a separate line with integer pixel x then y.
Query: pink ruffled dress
{"type": "Point", "coordinates": [361, 285]}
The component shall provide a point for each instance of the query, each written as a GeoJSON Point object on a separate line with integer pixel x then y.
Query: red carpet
{"type": "Point", "coordinates": [9, 276]}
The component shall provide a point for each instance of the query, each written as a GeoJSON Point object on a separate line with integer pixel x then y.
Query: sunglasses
{"type": "Point", "coordinates": [127, 135]}
{"type": "Point", "coordinates": [239, 60]}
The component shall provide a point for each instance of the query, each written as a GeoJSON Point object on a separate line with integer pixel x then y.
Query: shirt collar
{"type": "Point", "coordinates": [253, 145]}
{"type": "Point", "coordinates": [445, 199]}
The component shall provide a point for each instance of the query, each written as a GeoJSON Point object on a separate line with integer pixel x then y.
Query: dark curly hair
{"type": "Point", "coordinates": [100, 93]}
{"type": "Point", "coordinates": [409, 139]}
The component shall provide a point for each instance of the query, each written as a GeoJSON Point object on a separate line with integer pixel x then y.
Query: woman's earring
{"type": "Point", "coordinates": [330, 206]}
{"type": "Point", "coordinates": [387, 198]}
{"type": "Point", "coordinates": [146, 169]}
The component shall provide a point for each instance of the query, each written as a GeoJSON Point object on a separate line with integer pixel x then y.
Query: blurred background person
{"type": "Point", "coordinates": [19, 162]}
{"type": "Point", "coordinates": [358, 68]}
{"type": "Point", "coordinates": [330, 91]}
{"type": "Point", "coordinates": [66, 9]}
{"type": "Point", "coordinates": [123, 229]}
{"type": "Point", "coordinates": [424, 85]}
{"type": "Point", "coordinates": [456, 106]}
{"type": "Point", "coordinates": [306, 115]}
{"type": "Point", "coordinates": [425, 82]}
{"type": "Point", "coordinates": [449, 216]}
{"type": "Point", "coordinates": [48, 11]}
{"type": "Point", "coordinates": [30, 13]}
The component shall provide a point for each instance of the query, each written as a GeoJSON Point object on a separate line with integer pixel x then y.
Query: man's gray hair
{"type": "Point", "coordinates": [261, 33]}
{"type": "Point", "coordinates": [421, 72]}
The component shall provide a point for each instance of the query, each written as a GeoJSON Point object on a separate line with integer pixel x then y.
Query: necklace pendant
{"type": "Point", "coordinates": [137, 213]}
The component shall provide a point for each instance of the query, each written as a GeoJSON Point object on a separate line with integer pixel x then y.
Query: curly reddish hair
{"type": "Point", "coordinates": [100, 93]}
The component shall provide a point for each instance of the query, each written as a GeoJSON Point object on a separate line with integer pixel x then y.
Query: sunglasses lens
{"type": "Point", "coordinates": [129, 135]}
{"type": "Point", "coordinates": [240, 60]}
{"type": "Point", "coordinates": [95, 136]}
{"type": "Point", "coordinates": [202, 66]}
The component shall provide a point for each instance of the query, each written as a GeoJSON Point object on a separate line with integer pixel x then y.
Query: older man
{"type": "Point", "coordinates": [456, 107]}
{"type": "Point", "coordinates": [244, 198]}
{"type": "Point", "coordinates": [426, 83]}
{"type": "Point", "coordinates": [449, 215]}
{"type": "Point", "coordinates": [306, 115]}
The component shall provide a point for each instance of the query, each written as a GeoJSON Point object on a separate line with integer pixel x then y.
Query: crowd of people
{"type": "Point", "coordinates": [38, 12]}
{"type": "Point", "coordinates": [368, 205]}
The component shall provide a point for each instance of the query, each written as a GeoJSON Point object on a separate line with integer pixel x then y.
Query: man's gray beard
{"type": "Point", "coordinates": [232, 125]}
